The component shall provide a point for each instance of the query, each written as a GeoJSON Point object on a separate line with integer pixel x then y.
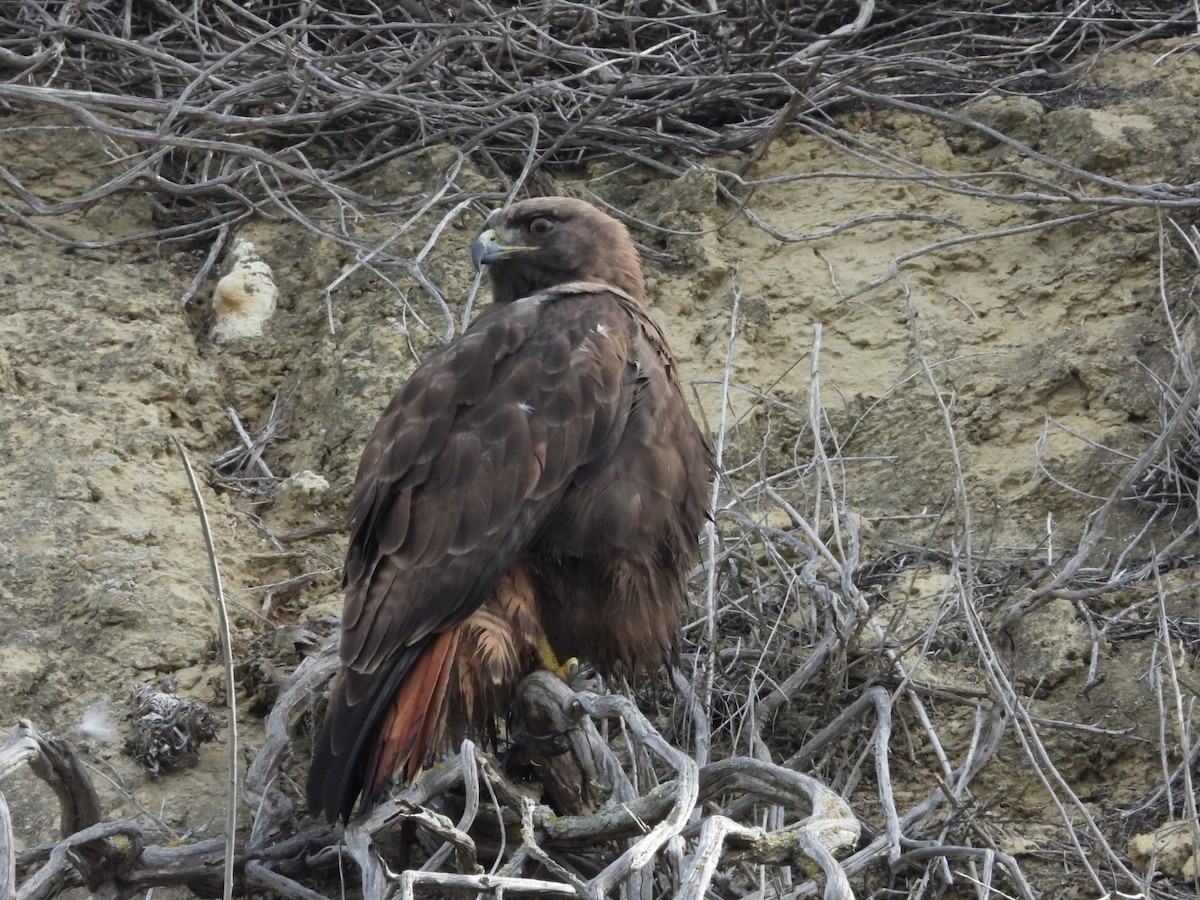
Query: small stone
{"type": "Point", "coordinates": [245, 297]}
{"type": "Point", "coordinates": [304, 489]}
{"type": "Point", "coordinates": [1168, 850]}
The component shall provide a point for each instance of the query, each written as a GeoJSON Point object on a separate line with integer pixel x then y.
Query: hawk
{"type": "Point", "coordinates": [534, 492]}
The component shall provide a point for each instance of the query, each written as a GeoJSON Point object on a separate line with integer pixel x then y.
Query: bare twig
{"type": "Point", "coordinates": [231, 799]}
{"type": "Point", "coordinates": [216, 113]}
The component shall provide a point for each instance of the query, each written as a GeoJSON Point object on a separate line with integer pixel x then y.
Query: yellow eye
{"type": "Point", "coordinates": [541, 226]}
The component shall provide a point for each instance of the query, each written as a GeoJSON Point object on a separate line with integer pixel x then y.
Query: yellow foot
{"type": "Point", "coordinates": [565, 670]}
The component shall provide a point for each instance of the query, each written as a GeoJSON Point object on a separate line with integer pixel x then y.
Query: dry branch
{"type": "Point", "coordinates": [223, 111]}
{"type": "Point", "coordinates": [550, 843]}
{"type": "Point", "coordinates": [217, 113]}
{"type": "Point", "coordinates": [53, 761]}
{"type": "Point", "coordinates": [222, 611]}
{"type": "Point", "coordinates": [87, 853]}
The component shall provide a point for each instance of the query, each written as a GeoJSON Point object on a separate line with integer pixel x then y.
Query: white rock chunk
{"type": "Point", "coordinates": [245, 297]}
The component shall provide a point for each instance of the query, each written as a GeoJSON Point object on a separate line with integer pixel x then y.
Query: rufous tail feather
{"type": "Point", "coordinates": [414, 721]}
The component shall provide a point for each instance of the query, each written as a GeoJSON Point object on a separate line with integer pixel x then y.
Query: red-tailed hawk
{"type": "Point", "coordinates": [538, 478]}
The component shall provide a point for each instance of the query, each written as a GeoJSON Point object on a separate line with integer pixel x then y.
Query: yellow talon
{"type": "Point", "coordinates": [565, 670]}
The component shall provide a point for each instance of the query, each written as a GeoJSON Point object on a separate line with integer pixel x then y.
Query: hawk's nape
{"type": "Point", "coordinates": [540, 476]}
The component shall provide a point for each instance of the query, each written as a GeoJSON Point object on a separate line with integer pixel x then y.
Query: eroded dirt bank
{"type": "Point", "coordinates": [1005, 384]}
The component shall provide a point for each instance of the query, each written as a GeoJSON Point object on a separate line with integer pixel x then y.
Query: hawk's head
{"type": "Point", "coordinates": [543, 242]}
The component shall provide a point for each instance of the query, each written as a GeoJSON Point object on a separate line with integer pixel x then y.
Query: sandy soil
{"type": "Point", "coordinates": [1045, 345]}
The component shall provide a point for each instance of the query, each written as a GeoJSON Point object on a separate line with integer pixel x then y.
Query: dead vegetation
{"type": "Point", "coordinates": [819, 740]}
{"type": "Point", "coordinates": [220, 112]}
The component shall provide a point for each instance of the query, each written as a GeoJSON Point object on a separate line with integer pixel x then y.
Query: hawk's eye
{"type": "Point", "coordinates": [541, 226]}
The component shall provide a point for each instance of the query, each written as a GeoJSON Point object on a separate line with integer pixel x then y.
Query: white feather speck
{"type": "Point", "coordinates": [98, 724]}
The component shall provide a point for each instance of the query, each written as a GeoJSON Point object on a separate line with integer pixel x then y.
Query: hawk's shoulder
{"type": "Point", "coordinates": [463, 468]}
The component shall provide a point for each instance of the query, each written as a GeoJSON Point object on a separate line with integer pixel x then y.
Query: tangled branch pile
{"type": "Point", "coordinates": [225, 109]}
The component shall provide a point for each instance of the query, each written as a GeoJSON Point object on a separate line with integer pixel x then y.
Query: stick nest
{"type": "Point", "coordinates": [231, 108]}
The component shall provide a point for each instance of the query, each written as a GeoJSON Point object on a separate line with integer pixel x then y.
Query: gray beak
{"type": "Point", "coordinates": [486, 249]}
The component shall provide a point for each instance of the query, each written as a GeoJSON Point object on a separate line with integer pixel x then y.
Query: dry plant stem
{"type": "Point", "coordinates": [469, 305]}
{"type": "Point", "coordinates": [220, 242]}
{"type": "Point", "coordinates": [139, 868]}
{"type": "Point", "coordinates": [989, 856]}
{"type": "Point", "coordinates": [232, 467]}
{"type": "Point", "coordinates": [1182, 717]}
{"type": "Point", "coordinates": [843, 563]}
{"type": "Point", "coordinates": [820, 459]}
{"type": "Point", "coordinates": [24, 745]}
{"type": "Point", "coordinates": [364, 97]}
{"type": "Point", "coordinates": [54, 762]}
{"type": "Point", "coordinates": [1160, 196]}
{"type": "Point", "coordinates": [784, 691]}
{"type": "Point", "coordinates": [257, 114]}
{"type": "Point", "coordinates": [702, 732]}
{"type": "Point", "coordinates": [55, 876]}
{"type": "Point", "coordinates": [841, 522]}
{"type": "Point", "coordinates": [1025, 727]}
{"type": "Point", "coordinates": [965, 558]}
{"type": "Point", "coordinates": [545, 721]}
{"type": "Point", "coordinates": [8, 854]}
{"type": "Point", "coordinates": [1043, 192]}
{"type": "Point", "coordinates": [1069, 806]}
{"type": "Point", "coordinates": [231, 799]}
{"type": "Point", "coordinates": [497, 885]}
{"type": "Point", "coordinates": [274, 809]}
{"type": "Point", "coordinates": [440, 826]}
{"type": "Point", "coordinates": [893, 268]}
{"type": "Point", "coordinates": [716, 832]}
{"type": "Point", "coordinates": [91, 107]}
{"type": "Point", "coordinates": [433, 783]}
{"type": "Point", "coordinates": [701, 727]}
{"type": "Point", "coordinates": [878, 699]}
{"type": "Point", "coordinates": [981, 749]}
{"type": "Point", "coordinates": [412, 266]}
{"type": "Point", "coordinates": [80, 851]}
{"type": "Point", "coordinates": [258, 875]}
{"type": "Point", "coordinates": [631, 818]}
{"type": "Point", "coordinates": [253, 448]}
{"type": "Point", "coordinates": [1097, 524]}
{"type": "Point", "coordinates": [866, 9]}
{"type": "Point", "coordinates": [196, 863]}
{"type": "Point", "coordinates": [529, 843]}
{"type": "Point", "coordinates": [376, 879]}
{"type": "Point", "coordinates": [458, 840]}
{"type": "Point", "coordinates": [687, 789]}
{"type": "Point", "coordinates": [1094, 637]}
{"type": "Point", "coordinates": [832, 823]}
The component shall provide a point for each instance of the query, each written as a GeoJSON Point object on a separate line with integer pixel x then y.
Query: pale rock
{"type": "Point", "coordinates": [245, 297]}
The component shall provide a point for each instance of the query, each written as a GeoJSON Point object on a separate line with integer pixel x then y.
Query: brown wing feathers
{"type": "Point", "coordinates": [514, 485]}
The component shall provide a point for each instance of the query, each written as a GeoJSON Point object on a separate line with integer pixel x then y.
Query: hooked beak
{"type": "Point", "coordinates": [487, 249]}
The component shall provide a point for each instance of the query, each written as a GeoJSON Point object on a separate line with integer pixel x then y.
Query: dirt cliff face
{"type": "Point", "coordinates": [979, 358]}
